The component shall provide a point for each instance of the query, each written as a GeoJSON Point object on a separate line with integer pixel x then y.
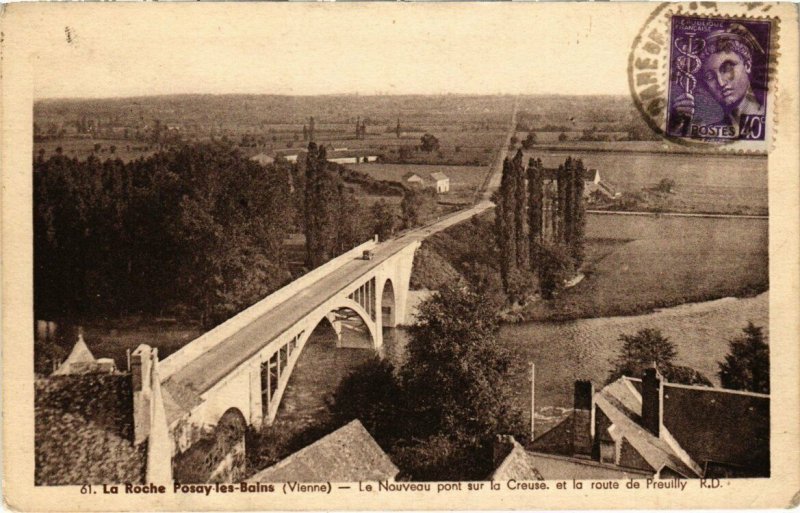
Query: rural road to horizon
{"type": "Point", "coordinates": [497, 166]}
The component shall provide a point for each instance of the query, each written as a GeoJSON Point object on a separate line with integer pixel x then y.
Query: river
{"type": "Point", "coordinates": [581, 349]}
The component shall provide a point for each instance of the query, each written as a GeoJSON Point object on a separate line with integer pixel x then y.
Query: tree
{"type": "Point", "coordinates": [405, 153]}
{"type": "Point", "coordinates": [577, 218]}
{"type": "Point", "coordinates": [429, 143]}
{"type": "Point", "coordinates": [520, 211]}
{"type": "Point", "coordinates": [554, 267]}
{"type": "Point", "coordinates": [415, 206]}
{"type": "Point", "coordinates": [384, 219]}
{"type": "Point", "coordinates": [323, 196]}
{"type": "Point", "coordinates": [529, 141]}
{"type": "Point", "coordinates": [371, 394]}
{"type": "Point", "coordinates": [562, 137]}
{"type": "Point", "coordinates": [746, 366]}
{"type": "Point", "coordinates": [454, 381]}
{"type": "Point", "coordinates": [666, 185]}
{"type": "Point", "coordinates": [648, 348]}
{"type": "Point", "coordinates": [505, 234]}
{"type": "Point", "coordinates": [535, 211]}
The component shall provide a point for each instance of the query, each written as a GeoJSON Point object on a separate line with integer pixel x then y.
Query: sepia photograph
{"type": "Point", "coordinates": [328, 249]}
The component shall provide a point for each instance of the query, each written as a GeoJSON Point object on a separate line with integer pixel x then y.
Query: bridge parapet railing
{"type": "Point", "coordinates": [203, 343]}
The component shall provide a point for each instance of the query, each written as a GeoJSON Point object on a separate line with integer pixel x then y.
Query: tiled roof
{"type": "Point", "coordinates": [84, 431]}
{"type": "Point", "coordinates": [348, 454]}
{"type": "Point", "coordinates": [518, 464]}
{"type": "Point", "coordinates": [620, 404]}
{"type": "Point", "coordinates": [733, 429]}
{"type": "Point", "coordinates": [439, 176]}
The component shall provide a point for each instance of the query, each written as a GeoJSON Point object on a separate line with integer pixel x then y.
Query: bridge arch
{"type": "Point", "coordinates": [219, 456]}
{"type": "Point", "coordinates": [389, 310]}
{"type": "Point", "coordinates": [344, 304]}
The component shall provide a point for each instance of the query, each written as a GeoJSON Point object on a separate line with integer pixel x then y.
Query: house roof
{"type": "Point", "coordinates": [84, 431]}
{"type": "Point", "coordinates": [262, 158]}
{"type": "Point", "coordinates": [518, 464]}
{"type": "Point", "coordinates": [623, 407]}
{"type": "Point", "coordinates": [347, 454]}
{"type": "Point", "coordinates": [410, 175]}
{"type": "Point", "coordinates": [556, 466]}
{"type": "Point", "coordinates": [80, 354]}
{"type": "Point", "coordinates": [732, 432]}
{"type": "Point", "coordinates": [439, 176]}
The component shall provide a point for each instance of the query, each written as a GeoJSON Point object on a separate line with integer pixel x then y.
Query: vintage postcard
{"type": "Point", "coordinates": [400, 256]}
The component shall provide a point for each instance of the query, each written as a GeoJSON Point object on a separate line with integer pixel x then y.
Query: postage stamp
{"type": "Point", "coordinates": [703, 75]}
{"type": "Point", "coordinates": [718, 79]}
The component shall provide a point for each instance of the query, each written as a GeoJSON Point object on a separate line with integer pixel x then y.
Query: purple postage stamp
{"type": "Point", "coordinates": [718, 79]}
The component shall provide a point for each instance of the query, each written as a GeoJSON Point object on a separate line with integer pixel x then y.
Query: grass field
{"type": "Point", "coordinates": [662, 261]}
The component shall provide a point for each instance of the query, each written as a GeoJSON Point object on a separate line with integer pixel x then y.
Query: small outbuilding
{"type": "Point", "coordinates": [441, 182]}
{"type": "Point", "coordinates": [413, 179]}
{"type": "Point", "coordinates": [263, 159]}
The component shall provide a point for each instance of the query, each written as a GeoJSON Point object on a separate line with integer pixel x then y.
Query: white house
{"type": "Point", "coordinates": [441, 182]}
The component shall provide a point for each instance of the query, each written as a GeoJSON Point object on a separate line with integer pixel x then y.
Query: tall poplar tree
{"type": "Point", "coordinates": [535, 209]}
{"type": "Point", "coordinates": [578, 214]}
{"type": "Point", "coordinates": [504, 223]}
{"type": "Point", "coordinates": [520, 207]}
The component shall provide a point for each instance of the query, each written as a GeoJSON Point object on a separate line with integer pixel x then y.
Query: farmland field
{"type": "Point", "coordinates": [124, 149]}
{"type": "Point", "coordinates": [663, 261]}
{"type": "Point", "coordinates": [464, 180]}
{"type": "Point", "coordinates": [704, 183]}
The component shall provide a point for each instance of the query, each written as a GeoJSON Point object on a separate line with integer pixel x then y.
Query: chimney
{"type": "Point", "coordinates": [141, 367]}
{"type": "Point", "coordinates": [651, 401]}
{"type": "Point", "coordinates": [583, 419]}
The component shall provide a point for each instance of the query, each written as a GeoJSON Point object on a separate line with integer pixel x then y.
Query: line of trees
{"type": "Point", "coordinates": [539, 230]}
{"type": "Point", "coordinates": [745, 367]}
{"type": "Point", "coordinates": [197, 229]}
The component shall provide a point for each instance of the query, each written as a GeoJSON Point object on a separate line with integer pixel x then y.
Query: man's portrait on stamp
{"type": "Point", "coordinates": [718, 79]}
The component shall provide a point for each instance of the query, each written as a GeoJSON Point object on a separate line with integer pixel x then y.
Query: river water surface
{"type": "Point", "coordinates": [582, 349]}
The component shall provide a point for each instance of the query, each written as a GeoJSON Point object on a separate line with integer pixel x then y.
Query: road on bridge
{"type": "Point", "coordinates": [212, 366]}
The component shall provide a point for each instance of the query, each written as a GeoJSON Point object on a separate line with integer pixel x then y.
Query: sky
{"type": "Point", "coordinates": [117, 50]}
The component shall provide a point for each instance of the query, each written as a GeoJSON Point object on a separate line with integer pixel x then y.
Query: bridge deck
{"type": "Point", "coordinates": [209, 368]}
